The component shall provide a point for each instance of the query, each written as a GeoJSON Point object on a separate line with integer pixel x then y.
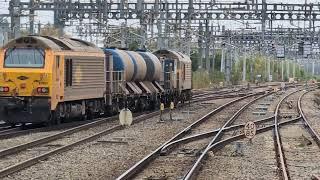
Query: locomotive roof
{"type": "Point", "coordinates": [173, 54]}
{"type": "Point", "coordinates": [54, 43]}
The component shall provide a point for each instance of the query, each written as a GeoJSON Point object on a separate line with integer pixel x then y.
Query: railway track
{"type": "Point", "coordinates": [295, 145]}
{"type": "Point", "coordinates": [50, 146]}
{"type": "Point", "coordinates": [5, 133]}
{"type": "Point", "coordinates": [9, 132]}
{"type": "Point", "coordinates": [215, 144]}
{"type": "Point", "coordinates": [24, 155]}
{"type": "Point", "coordinates": [18, 131]}
{"type": "Point", "coordinates": [196, 134]}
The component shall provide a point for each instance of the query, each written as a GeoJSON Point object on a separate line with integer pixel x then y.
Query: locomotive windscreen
{"type": "Point", "coordinates": [24, 57]}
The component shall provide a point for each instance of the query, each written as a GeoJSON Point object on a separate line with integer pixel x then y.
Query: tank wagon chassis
{"type": "Point", "coordinates": [45, 79]}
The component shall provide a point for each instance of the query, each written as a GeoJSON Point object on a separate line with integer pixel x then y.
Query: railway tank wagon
{"type": "Point", "coordinates": [132, 77]}
{"type": "Point", "coordinates": [44, 79]}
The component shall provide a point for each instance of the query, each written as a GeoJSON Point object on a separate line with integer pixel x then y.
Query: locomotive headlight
{"type": "Point", "coordinates": [4, 89]}
{"type": "Point", "coordinates": [43, 90]}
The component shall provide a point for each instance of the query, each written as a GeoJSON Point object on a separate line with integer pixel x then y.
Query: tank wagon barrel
{"type": "Point", "coordinates": [153, 66]}
{"type": "Point", "coordinates": [140, 66]}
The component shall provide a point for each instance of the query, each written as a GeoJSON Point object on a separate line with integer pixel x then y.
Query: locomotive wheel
{"type": "Point", "coordinates": [89, 115]}
{"type": "Point", "coordinates": [57, 120]}
{"type": "Point", "coordinates": [23, 126]}
{"type": "Point", "coordinates": [54, 119]}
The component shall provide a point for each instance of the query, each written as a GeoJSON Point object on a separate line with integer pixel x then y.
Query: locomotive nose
{"type": "Point", "coordinates": [28, 84]}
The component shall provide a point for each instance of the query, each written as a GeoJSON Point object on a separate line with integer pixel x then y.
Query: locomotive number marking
{"type": "Point", "coordinates": [250, 130]}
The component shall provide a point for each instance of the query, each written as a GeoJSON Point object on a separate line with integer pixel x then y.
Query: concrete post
{"type": "Point", "coordinates": [228, 68]}
{"type": "Point", "coordinates": [222, 66]}
{"type": "Point", "coordinates": [244, 66]}
{"type": "Point", "coordinates": [269, 68]}
{"type": "Point", "coordinates": [294, 70]}
{"type": "Point", "coordinates": [282, 70]}
{"type": "Point", "coordinates": [313, 68]}
{"type": "Point", "coordinates": [288, 69]}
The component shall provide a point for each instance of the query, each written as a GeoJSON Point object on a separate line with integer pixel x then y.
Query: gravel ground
{"type": "Point", "coordinates": [285, 110]}
{"type": "Point", "coordinates": [15, 141]}
{"type": "Point", "coordinates": [220, 118]}
{"type": "Point", "coordinates": [176, 164]}
{"type": "Point", "coordinates": [242, 159]}
{"type": "Point", "coordinates": [311, 110]}
{"type": "Point", "coordinates": [41, 149]}
{"type": "Point", "coordinates": [7, 143]}
{"type": "Point", "coordinates": [255, 162]}
{"type": "Point", "coordinates": [251, 113]}
{"type": "Point", "coordinates": [109, 156]}
{"type": "Point", "coordinates": [302, 158]}
{"type": "Point", "coordinates": [301, 151]}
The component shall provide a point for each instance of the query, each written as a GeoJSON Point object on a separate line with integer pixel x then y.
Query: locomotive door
{"type": "Point", "coordinates": [58, 79]}
{"type": "Point", "coordinates": [168, 76]}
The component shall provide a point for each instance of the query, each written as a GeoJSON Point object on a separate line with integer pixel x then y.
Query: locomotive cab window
{"type": "Point", "coordinates": [24, 58]}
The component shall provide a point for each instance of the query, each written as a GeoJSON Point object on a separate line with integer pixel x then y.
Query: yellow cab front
{"type": "Point", "coordinates": [25, 84]}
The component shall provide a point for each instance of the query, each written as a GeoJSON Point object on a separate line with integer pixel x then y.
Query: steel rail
{"type": "Point", "coordinates": [53, 137]}
{"type": "Point", "coordinates": [216, 93]}
{"type": "Point", "coordinates": [58, 135]}
{"type": "Point", "coordinates": [27, 163]}
{"type": "Point", "coordinates": [8, 130]}
{"type": "Point", "coordinates": [224, 142]}
{"type": "Point", "coordinates": [9, 134]}
{"type": "Point", "coordinates": [42, 129]}
{"type": "Point", "coordinates": [214, 147]}
{"type": "Point", "coordinates": [315, 177]}
{"type": "Point", "coordinates": [278, 143]}
{"type": "Point", "coordinates": [4, 125]}
{"type": "Point", "coordinates": [196, 166]}
{"type": "Point", "coordinates": [208, 98]}
{"type": "Point", "coordinates": [307, 124]}
{"type": "Point", "coordinates": [32, 161]}
{"type": "Point", "coordinates": [195, 137]}
{"type": "Point", "coordinates": [136, 168]}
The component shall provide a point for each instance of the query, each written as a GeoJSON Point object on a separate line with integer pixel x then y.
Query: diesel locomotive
{"type": "Point", "coordinates": [46, 79]}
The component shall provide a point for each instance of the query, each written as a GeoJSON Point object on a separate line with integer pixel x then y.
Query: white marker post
{"type": "Point", "coordinates": [171, 108]}
{"type": "Point", "coordinates": [161, 111]}
{"type": "Point", "coordinates": [125, 117]}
